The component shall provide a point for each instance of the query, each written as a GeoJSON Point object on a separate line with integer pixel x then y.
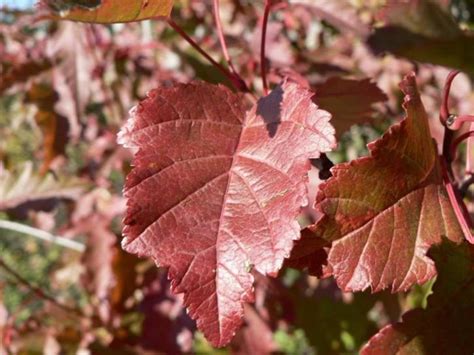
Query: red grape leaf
{"type": "Point", "coordinates": [256, 337]}
{"type": "Point", "coordinates": [216, 191]}
{"type": "Point", "coordinates": [349, 101]}
{"type": "Point", "coordinates": [382, 227]}
{"type": "Point", "coordinates": [108, 11]}
{"type": "Point", "coordinates": [445, 326]}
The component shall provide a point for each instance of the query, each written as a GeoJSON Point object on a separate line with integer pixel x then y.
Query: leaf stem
{"type": "Point", "coordinates": [43, 235]}
{"type": "Point", "coordinates": [238, 83]}
{"type": "Point", "coordinates": [444, 110]}
{"type": "Point", "coordinates": [220, 33]}
{"type": "Point", "coordinates": [449, 149]}
{"type": "Point", "coordinates": [459, 207]}
{"type": "Point", "coordinates": [263, 63]}
{"type": "Point", "coordinates": [455, 122]}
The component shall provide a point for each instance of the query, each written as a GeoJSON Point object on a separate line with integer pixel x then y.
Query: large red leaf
{"type": "Point", "coordinates": [109, 11]}
{"type": "Point", "coordinates": [382, 227]}
{"type": "Point", "coordinates": [216, 191]}
{"type": "Point", "coordinates": [445, 326]}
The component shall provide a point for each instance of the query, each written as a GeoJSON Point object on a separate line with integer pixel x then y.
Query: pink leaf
{"type": "Point", "coordinates": [216, 191]}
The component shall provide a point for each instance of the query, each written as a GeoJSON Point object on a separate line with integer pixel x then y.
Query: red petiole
{"type": "Point", "coordinates": [263, 63]}
{"type": "Point", "coordinates": [220, 34]}
{"type": "Point", "coordinates": [455, 122]}
{"type": "Point", "coordinates": [449, 150]}
{"type": "Point", "coordinates": [236, 81]}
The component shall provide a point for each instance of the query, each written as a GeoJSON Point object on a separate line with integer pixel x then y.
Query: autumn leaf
{"type": "Point", "coordinates": [382, 227]}
{"type": "Point", "coordinates": [71, 74]}
{"type": "Point", "coordinates": [20, 72]}
{"type": "Point", "coordinates": [53, 126]}
{"type": "Point", "coordinates": [425, 32]}
{"type": "Point", "coordinates": [215, 191]}
{"type": "Point", "coordinates": [349, 101]}
{"type": "Point", "coordinates": [108, 11]}
{"type": "Point", "coordinates": [25, 187]}
{"type": "Point", "coordinates": [445, 326]}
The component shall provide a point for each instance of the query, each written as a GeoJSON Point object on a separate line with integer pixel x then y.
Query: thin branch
{"type": "Point", "coordinates": [220, 33]}
{"type": "Point", "coordinates": [236, 82]}
{"type": "Point", "coordinates": [43, 235]}
{"type": "Point", "coordinates": [39, 292]}
{"type": "Point", "coordinates": [444, 110]}
{"type": "Point", "coordinates": [263, 63]}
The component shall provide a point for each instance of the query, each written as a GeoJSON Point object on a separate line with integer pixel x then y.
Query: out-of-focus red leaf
{"type": "Point", "coordinates": [424, 31]}
{"type": "Point", "coordinates": [382, 227]}
{"type": "Point", "coordinates": [349, 101]}
{"type": "Point", "coordinates": [255, 337]}
{"type": "Point", "coordinates": [215, 191]}
{"type": "Point", "coordinates": [21, 72]}
{"type": "Point", "coordinates": [445, 326]}
{"type": "Point", "coordinates": [54, 127]}
{"type": "Point", "coordinates": [92, 219]}
{"type": "Point", "coordinates": [72, 74]}
{"type": "Point", "coordinates": [166, 326]}
{"type": "Point", "coordinates": [339, 13]}
{"type": "Point", "coordinates": [309, 254]}
{"type": "Point", "coordinates": [108, 11]}
{"type": "Point", "coordinates": [428, 18]}
{"type": "Point", "coordinates": [98, 278]}
{"type": "Point", "coordinates": [26, 189]}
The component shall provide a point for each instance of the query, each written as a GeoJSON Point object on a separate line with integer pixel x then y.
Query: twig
{"type": "Point", "coordinates": [444, 111]}
{"type": "Point", "coordinates": [43, 235]}
{"type": "Point", "coordinates": [263, 64]}
{"type": "Point", "coordinates": [236, 82]}
{"type": "Point", "coordinates": [220, 33]}
{"type": "Point", "coordinates": [39, 292]}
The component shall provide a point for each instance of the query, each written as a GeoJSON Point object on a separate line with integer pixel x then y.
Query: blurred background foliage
{"type": "Point", "coordinates": [66, 89]}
